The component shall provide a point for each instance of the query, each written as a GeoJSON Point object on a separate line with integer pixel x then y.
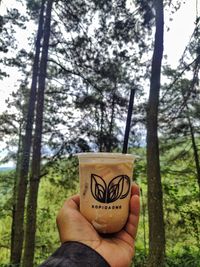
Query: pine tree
{"type": "Point", "coordinates": [18, 222]}
{"type": "Point", "coordinates": [155, 198]}
{"type": "Point", "coordinates": [37, 141]}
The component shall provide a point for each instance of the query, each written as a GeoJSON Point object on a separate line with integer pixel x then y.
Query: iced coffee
{"type": "Point", "coordinates": [105, 183]}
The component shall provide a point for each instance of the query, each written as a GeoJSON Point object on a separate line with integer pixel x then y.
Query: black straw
{"type": "Point", "coordinates": [128, 121]}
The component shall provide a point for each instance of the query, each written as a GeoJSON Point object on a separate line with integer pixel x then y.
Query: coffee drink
{"type": "Point", "coordinates": [105, 183]}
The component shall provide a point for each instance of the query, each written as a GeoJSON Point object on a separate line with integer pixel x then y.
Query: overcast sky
{"type": "Point", "coordinates": [181, 29]}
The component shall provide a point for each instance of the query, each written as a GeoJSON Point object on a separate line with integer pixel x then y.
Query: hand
{"type": "Point", "coordinates": [117, 249]}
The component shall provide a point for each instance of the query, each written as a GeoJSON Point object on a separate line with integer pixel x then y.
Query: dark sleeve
{"type": "Point", "coordinates": [75, 254]}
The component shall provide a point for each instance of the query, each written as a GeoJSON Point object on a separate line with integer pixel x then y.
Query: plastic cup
{"type": "Point", "coordinates": [105, 185]}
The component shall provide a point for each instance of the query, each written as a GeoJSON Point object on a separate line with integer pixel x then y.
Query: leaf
{"type": "Point", "coordinates": [118, 188]}
{"type": "Point", "coordinates": [126, 186]}
{"type": "Point", "coordinates": [114, 191]}
{"type": "Point", "coordinates": [98, 188]}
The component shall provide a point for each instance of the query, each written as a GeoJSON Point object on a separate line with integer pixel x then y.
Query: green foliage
{"type": "Point", "coordinates": [187, 257]}
{"type": "Point", "coordinates": [56, 186]}
{"type": "Point", "coordinates": [184, 258]}
{"type": "Point", "coordinates": [61, 180]}
{"type": "Point", "coordinates": [6, 189]}
{"type": "Point", "coordinates": [60, 183]}
{"type": "Point", "coordinates": [181, 208]}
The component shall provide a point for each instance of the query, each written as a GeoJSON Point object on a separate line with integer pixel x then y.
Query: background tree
{"type": "Point", "coordinates": [18, 222]}
{"type": "Point", "coordinates": [36, 157]}
{"type": "Point", "coordinates": [155, 198]}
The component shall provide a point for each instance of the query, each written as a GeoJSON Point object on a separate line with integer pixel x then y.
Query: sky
{"type": "Point", "coordinates": [181, 29]}
{"type": "Point", "coordinates": [10, 83]}
{"type": "Point", "coordinates": [175, 40]}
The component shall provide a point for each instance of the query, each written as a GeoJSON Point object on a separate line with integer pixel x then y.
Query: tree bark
{"type": "Point", "coordinates": [19, 150]}
{"type": "Point", "coordinates": [18, 224]}
{"type": "Point", "coordinates": [155, 195]}
{"type": "Point", "coordinates": [35, 167]}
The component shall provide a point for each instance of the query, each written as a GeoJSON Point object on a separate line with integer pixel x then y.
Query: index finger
{"type": "Point", "coordinates": [73, 202]}
{"type": "Point", "coordinates": [133, 219]}
{"type": "Point", "coordinates": [135, 200]}
{"type": "Point", "coordinates": [135, 190]}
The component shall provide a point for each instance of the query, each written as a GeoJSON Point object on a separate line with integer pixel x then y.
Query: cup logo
{"type": "Point", "coordinates": [118, 188]}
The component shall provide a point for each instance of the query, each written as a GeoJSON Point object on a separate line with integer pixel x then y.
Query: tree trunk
{"type": "Point", "coordinates": [18, 230]}
{"type": "Point", "coordinates": [35, 168]}
{"type": "Point", "coordinates": [195, 151]}
{"type": "Point", "coordinates": [19, 150]}
{"type": "Point", "coordinates": [185, 99]}
{"type": "Point", "coordinates": [194, 145]}
{"type": "Point", "coordinates": [155, 196]}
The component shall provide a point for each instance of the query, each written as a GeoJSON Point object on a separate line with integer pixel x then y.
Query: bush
{"type": "Point", "coordinates": [186, 259]}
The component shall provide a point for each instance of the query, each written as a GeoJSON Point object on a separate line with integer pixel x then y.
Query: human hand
{"type": "Point", "coordinates": [117, 249]}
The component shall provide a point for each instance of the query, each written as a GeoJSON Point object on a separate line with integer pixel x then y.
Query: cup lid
{"type": "Point", "coordinates": [106, 155]}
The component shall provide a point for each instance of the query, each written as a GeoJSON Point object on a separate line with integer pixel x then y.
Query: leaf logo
{"type": "Point", "coordinates": [118, 188]}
